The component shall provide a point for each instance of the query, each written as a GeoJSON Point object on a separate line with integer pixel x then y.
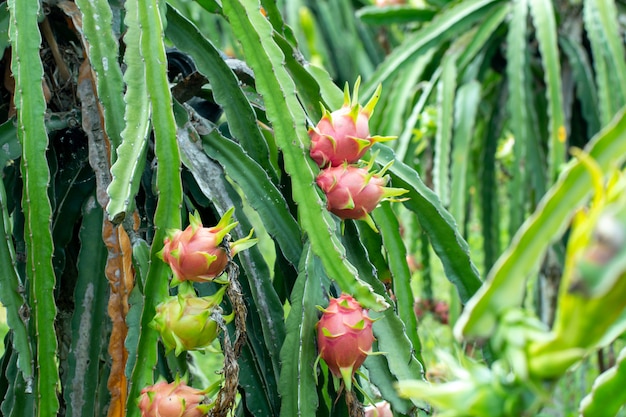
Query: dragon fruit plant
{"type": "Point", "coordinates": [185, 321]}
{"type": "Point", "coordinates": [174, 399]}
{"type": "Point", "coordinates": [344, 337]}
{"type": "Point", "coordinates": [200, 253]}
{"type": "Point", "coordinates": [352, 192]}
{"type": "Point", "coordinates": [343, 136]}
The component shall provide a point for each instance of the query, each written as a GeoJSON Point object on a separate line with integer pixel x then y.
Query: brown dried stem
{"type": "Point", "coordinates": [355, 408]}
{"type": "Point", "coordinates": [226, 396]}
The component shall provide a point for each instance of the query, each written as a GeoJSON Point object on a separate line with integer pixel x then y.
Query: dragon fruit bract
{"type": "Point", "coordinates": [344, 337]}
{"type": "Point", "coordinates": [175, 399]}
{"type": "Point", "coordinates": [198, 253]}
{"type": "Point", "coordinates": [343, 135]}
{"type": "Point", "coordinates": [353, 192]}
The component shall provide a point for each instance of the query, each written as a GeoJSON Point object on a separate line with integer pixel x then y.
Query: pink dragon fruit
{"type": "Point", "coordinates": [381, 409]}
{"type": "Point", "coordinates": [385, 3]}
{"type": "Point", "coordinates": [198, 253]}
{"type": "Point", "coordinates": [344, 337]}
{"type": "Point", "coordinates": [185, 321]}
{"type": "Point", "coordinates": [175, 399]}
{"type": "Point", "coordinates": [344, 135]}
{"type": "Point", "coordinates": [352, 192]}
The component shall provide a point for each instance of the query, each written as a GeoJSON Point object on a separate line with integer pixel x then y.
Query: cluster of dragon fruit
{"type": "Point", "coordinates": [187, 322]}
{"type": "Point", "coordinates": [338, 142]}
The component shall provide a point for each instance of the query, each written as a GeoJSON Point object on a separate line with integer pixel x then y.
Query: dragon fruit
{"type": "Point", "coordinates": [199, 253]}
{"type": "Point", "coordinates": [385, 3]}
{"type": "Point", "coordinates": [352, 192]}
{"type": "Point", "coordinates": [175, 399]}
{"type": "Point", "coordinates": [381, 409]}
{"type": "Point", "coordinates": [344, 337]}
{"type": "Point", "coordinates": [343, 135]}
{"type": "Point", "coordinates": [185, 321]}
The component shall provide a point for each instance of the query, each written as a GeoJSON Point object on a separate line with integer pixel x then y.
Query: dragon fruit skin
{"type": "Point", "coordinates": [380, 409]}
{"type": "Point", "coordinates": [185, 321]}
{"type": "Point", "coordinates": [340, 136]}
{"type": "Point", "coordinates": [343, 136]}
{"type": "Point", "coordinates": [344, 337]}
{"type": "Point", "coordinates": [352, 192]}
{"type": "Point", "coordinates": [199, 253]}
{"type": "Point", "coordinates": [174, 399]}
{"type": "Point", "coordinates": [194, 255]}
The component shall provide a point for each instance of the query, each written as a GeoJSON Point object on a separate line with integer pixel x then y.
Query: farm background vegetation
{"type": "Point", "coordinates": [119, 119]}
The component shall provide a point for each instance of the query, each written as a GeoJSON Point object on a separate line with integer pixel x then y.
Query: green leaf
{"type": "Point", "coordinates": [446, 88]}
{"type": "Point", "coordinates": [258, 399]}
{"type": "Point", "coordinates": [225, 86]}
{"type": "Point", "coordinates": [18, 400]}
{"type": "Point", "coordinates": [545, 29]}
{"type": "Point", "coordinates": [90, 316]}
{"type": "Point", "coordinates": [212, 6]}
{"type": "Point", "coordinates": [393, 246]}
{"type": "Point", "coordinates": [584, 78]}
{"type": "Point", "coordinates": [31, 106]}
{"type": "Point", "coordinates": [411, 121]}
{"type": "Point", "coordinates": [485, 33]}
{"type": "Point", "coordinates": [298, 378]}
{"type": "Point", "coordinates": [380, 375]}
{"type": "Point", "coordinates": [10, 147]}
{"type": "Point", "coordinates": [390, 332]}
{"type": "Point", "coordinates": [518, 87]}
{"type": "Point", "coordinates": [600, 19]}
{"type": "Point", "coordinates": [487, 182]}
{"type": "Point", "coordinates": [266, 334]}
{"type": "Point", "coordinates": [262, 194]}
{"type": "Point", "coordinates": [288, 121]}
{"type": "Point", "coordinates": [466, 108]}
{"type": "Point", "coordinates": [11, 293]}
{"type": "Point", "coordinates": [4, 28]}
{"type": "Point", "coordinates": [506, 282]}
{"type": "Point", "coordinates": [606, 396]}
{"type": "Point", "coordinates": [376, 15]}
{"type": "Point", "coordinates": [308, 88]}
{"type": "Point", "coordinates": [103, 57]}
{"type": "Point", "coordinates": [127, 169]}
{"type": "Point", "coordinates": [438, 224]}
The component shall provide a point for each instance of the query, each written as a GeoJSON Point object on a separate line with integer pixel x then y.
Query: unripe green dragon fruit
{"type": "Point", "coordinates": [344, 135]}
{"type": "Point", "coordinates": [352, 192]}
{"type": "Point", "coordinates": [199, 253]}
{"type": "Point", "coordinates": [344, 337]}
{"type": "Point", "coordinates": [174, 399]}
{"type": "Point", "coordinates": [185, 321]}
